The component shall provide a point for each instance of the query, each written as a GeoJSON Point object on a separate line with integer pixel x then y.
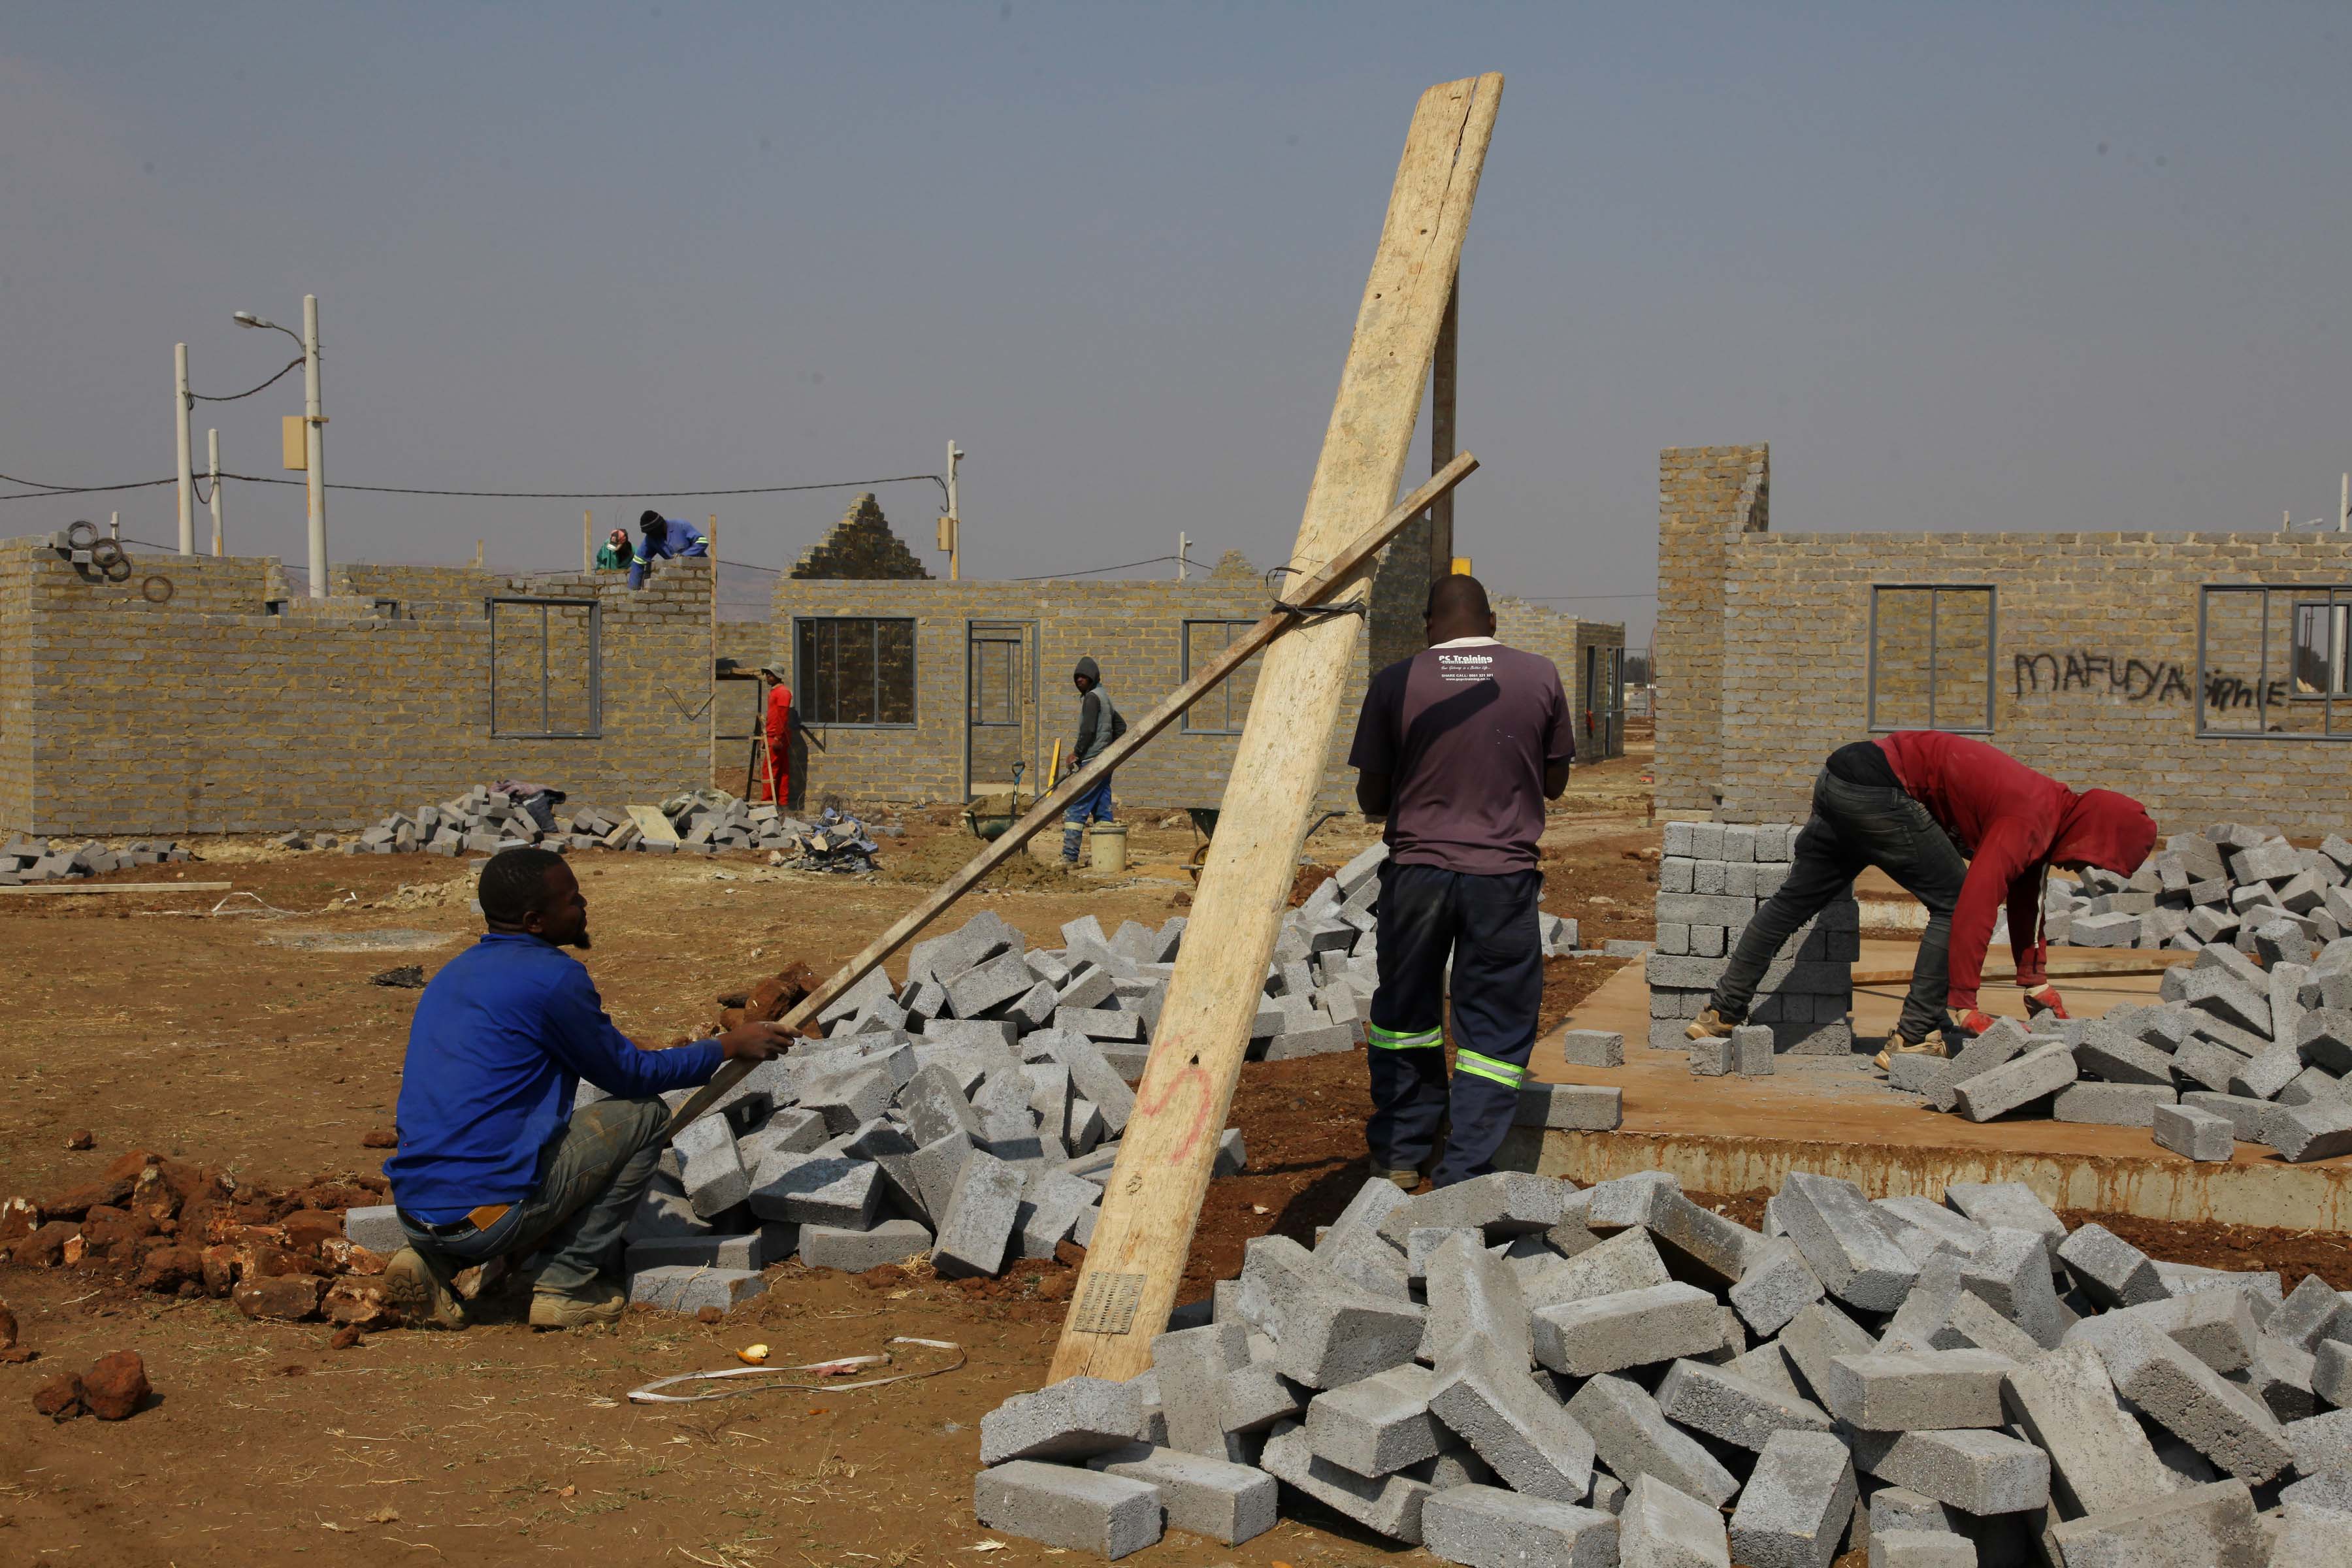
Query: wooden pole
{"type": "Point", "coordinates": [1441, 431]}
{"type": "Point", "coordinates": [587, 539]}
{"type": "Point", "coordinates": [1344, 574]}
{"type": "Point", "coordinates": [1153, 1200]}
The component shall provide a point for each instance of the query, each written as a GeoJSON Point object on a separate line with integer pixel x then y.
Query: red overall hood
{"type": "Point", "coordinates": [2102, 828]}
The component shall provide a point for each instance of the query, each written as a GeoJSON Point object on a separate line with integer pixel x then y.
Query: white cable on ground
{"type": "Point", "coordinates": [648, 1395]}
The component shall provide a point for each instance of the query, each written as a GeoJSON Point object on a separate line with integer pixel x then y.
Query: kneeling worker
{"type": "Point", "coordinates": [1912, 804]}
{"type": "Point", "coordinates": [493, 1161]}
{"type": "Point", "coordinates": [1459, 747]}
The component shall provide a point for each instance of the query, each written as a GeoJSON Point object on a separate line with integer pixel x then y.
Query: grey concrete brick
{"type": "Point", "coordinates": [1796, 1505]}
{"type": "Point", "coordinates": [2111, 1104]}
{"type": "Point", "coordinates": [1487, 1526]}
{"type": "Point", "coordinates": [1593, 1047]}
{"type": "Point", "coordinates": [1515, 1424]}
{"type": "Point", "coordinates": [375, 1226]}
{"type": "Point", "coordinates": [2321, 1442]}
{"type": "Point", "coordinates": [1575, 1106]}
{"type": "Point", "coordinates": [1253, 1397]}
{"type": "Point", "coordinates": [1632, 1437]}
{"type": "Point", "coordinates": [689, 1289]}
{"type": "Point", "coordinates": [1721, 1403]}
{"type": "Point", "coordinates": [1474, 1299]}
{"type": "Point", "coordinates": [1049, 1211]}
{"type": "Point", "coordinates": [2010, 1273]}
{"type": "Point", "coordinates": [1776, 1285]}
{"type": "Point", "coordinates": [1916, 1390]}
{"type": "Point", "coordinates": [1920, 1548]}
{"type": "Point", "coordinates": [1072, 1419]}
{"type": "Point", "coordinates": [2109, 1269]}
{"type": "Point", "coordinates": [2331, 1374]}
{"type": "Point", "coordinates": [977, 1223]}
{"type": "Point", "coordinates": [1751, 1051]}
{"type": "Point", "coordinates": [1074, 1509]}
{"type": "Point", "coordinates": [1099, 1023]}
{"type": "Point", "coordinates": [2196, 1404]}
{"type": "Point", "coordinates": [2217, 1326]}
{"type": "Point", "coordinates": [1504, 1204]}
{"type": "Point", "coordinates": [1224, 1501]}
{"type": "Point", "coordinates": [2043, 1070]}
{"type": "Point", "coordinates": [1847, 1246]}
{"type": "Point", "coordinates": [817, 1189]}
{"type": "Point", "coordinates": [2013, 1205]}
{"type": "Point", "coordinates": [713, 1173]}
{"type": "Point", "coordinates": [2319, 1131]}
{"type": "Point", "coordinates": [2214, 1524]}
{"type": "Point", "coordinates": [1973, 1470]}
{"type": "Point", "coordinates": [1892, 1508]}
{"type": "Point", "coordinates": [738, 1252]}
{"type": "Point", "coordinates": [2194, 1132]}
{"type": "Point", "coordinates": [2312, 1313]}
{"type": "Point", "coordinates": [1816, 1336]}
{"type": "Point", "coordinates": [1710, 1057]}
{"type": "Point", "coordinates": [1376, 1425]}
{"type": "Point", "coordinates": [1390, 1506]}
{"type": "Point", "coordinates": [1628, 1329]}
{"type": "Point", "coordinates": [856, 1251]}
{"type": "Point", "coordinates": [1659, 1527]}
{"type": "Point", "coordinates": [1190, 1363]}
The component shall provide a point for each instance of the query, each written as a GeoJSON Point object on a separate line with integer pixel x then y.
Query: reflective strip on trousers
{"type": "Point", "coordinates": [1502, 1072]}
{"type": "Point", "coordinates": [1391, 1041]}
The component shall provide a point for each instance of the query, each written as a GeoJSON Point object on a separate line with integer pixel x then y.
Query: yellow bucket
{"type": "Point", "coordinates": [1109, 851]}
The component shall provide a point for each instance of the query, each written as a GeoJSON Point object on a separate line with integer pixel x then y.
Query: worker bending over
{"type": "Point", "coordinates": [664, 537]}
{"type": "Point", "coordinates": [1912, 804]}
{"type": "Point", "coordinates": [1100, 723]}
{"type": "Point", "coordinates": [776, 771]}
{"type": "Point", "coordinates": [1459, 747]}
{"type": "Point", "coordinates": [493, 1161]}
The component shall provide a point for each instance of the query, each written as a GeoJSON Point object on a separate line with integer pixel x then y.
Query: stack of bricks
{"type": "Point", "coordinates": [1714, 877]}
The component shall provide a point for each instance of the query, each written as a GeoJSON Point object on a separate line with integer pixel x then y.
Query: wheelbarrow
{"type": "Point", "coordinates": [990, 816]}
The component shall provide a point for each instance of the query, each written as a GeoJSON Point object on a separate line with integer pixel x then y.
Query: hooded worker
{"type": "Point", "coordinates": [1914, 804]}
{"type": "Point", "coordinates": [613, 554]}
{"type": "Point", "coordinates": [666, 538]}
{"type": "Point", "coordinates": [1100, 723]}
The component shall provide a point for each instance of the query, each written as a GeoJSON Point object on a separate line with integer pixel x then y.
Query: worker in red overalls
{"type": "Point", "coordinates": [776, 766]}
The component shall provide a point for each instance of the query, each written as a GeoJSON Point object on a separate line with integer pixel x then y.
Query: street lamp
{"type": "Point", "coordinates": [314, 434]}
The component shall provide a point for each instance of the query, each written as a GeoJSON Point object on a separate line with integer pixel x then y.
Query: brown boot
{"type": "Point", "coordinates": [1405, 1180]}
{"type": "Point", "coordinates": [1896, 1045]}
{"type": "Point", "coordinates": [597, 1304]}
{"type": "Point", "coordinates": [1710, 1026]}
{"type": "Point", "coordinates": [416, 1285]}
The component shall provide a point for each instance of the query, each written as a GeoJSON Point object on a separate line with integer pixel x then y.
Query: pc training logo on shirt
{"type": "Point", "coordinates": [1466, 668]}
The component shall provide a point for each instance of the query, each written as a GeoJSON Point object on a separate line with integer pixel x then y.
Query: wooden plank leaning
{"type": "Point", "coordinates": [1136, 1256]}
{"type": "Point", "coordinates": [1343, 574]}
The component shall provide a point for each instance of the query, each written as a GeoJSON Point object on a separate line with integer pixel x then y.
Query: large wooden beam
{"type": "Point", "coordinates": [1350, 568]}
{"type": "Point", "coordinates": [1137, 1256]}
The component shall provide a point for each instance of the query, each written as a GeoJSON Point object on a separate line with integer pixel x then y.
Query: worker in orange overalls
{"type": "Point", "coordinates": [776, 768]}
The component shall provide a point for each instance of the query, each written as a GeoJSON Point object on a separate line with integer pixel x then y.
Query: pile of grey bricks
{"type": "Point", "coordinates": [487, 819]}
{"type": "Point", "coordinates": [1710, 882]}
{"type": "Point", "coordinates": [30, 860]}
{"type": "Point", "coordinates": [2227, 884]}
{"type": "Point", "coordinates": [971, 1111]}
{"type": "Point", "coordinates": [1513, 1372]}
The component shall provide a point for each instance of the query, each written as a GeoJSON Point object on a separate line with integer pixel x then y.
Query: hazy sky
{"type": "Point", "coordinates": [1977, 265]}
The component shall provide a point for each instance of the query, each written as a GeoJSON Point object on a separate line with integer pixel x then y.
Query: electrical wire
{"type": "Point", "coordinates": [37, 490]}
{"type": "Point", "coordinates": [1098, 571]}
{"type": "Point", "coordinates": [232, 397]}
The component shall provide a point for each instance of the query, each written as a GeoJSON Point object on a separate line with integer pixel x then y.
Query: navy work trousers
{"type": "Point", "coordinates": [1488, 926]}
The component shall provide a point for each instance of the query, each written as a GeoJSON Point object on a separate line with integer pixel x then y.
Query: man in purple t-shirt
{"type": "Point", "coordinates": [1459, 747]}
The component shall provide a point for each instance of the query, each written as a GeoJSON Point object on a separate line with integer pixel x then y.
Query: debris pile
{"type": "Point", "coordinates": [1513, 1371]}
{"type": "Point", "coordinates": [507, 816]}
{"type": "Point", "coordinates": [2228, 884]}
{"type": "Point", "coordinates": [166, 1225]}
{"type": "Point", "coordinates": [25, 860]}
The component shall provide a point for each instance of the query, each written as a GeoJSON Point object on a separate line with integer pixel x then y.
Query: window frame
{"type": "Point", "coordinates": [2300, 597]}
{"type": "Point", "coordinates": [1224, 689]}
{"type": "Point", "coordinates": [1935, 592]}
{"type": "Point", "coordinates": [546, 607]}
{"type": "Point", "coordinates": [805, 706]}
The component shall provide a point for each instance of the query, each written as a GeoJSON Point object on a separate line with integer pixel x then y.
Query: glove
{"type": "Point", "coordinates": [2044, 999]}
{"type": "Point", "coordinates": [1968, 1019]}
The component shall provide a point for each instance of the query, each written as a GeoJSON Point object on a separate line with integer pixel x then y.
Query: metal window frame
{"type": "Point", "coordinates": [804, 711]}
{"type": "Point", "coordinates": [1935, 591]}
{"type": "Point", "coordinates": [546, 607]}
{"type": "Point", "coordinates": [2299, 597]}
{"type": "Point", "coordinates": [1184, 674]}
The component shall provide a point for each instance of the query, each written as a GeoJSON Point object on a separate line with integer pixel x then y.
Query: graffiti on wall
{"type": "Point", "coordinates": [2134, 679]}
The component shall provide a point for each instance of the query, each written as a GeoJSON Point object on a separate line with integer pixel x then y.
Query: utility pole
{"type": "Point", "coordinates": [587, 539]}
{"type": "Point", "coordinates": [181, 404]}
{"type": "Point", "coordinates": [211, 448]}
{"type": "Point", "coordinates": [952, 525]}
{"type": "Point", "coordinates": [2344, 507]}
{"type": "Point", "coordinates": [1183, 548]}
{"type": "Point", "coordinates": [314, 445]}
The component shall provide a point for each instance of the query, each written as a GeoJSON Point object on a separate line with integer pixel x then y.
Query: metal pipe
{"type": "Point", "coordinates": [211, 450]}
{"type": "Point", "coordinates": [314, 445]}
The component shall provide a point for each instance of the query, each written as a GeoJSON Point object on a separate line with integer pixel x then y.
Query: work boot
{"type": "Point", "coordinates": [597, 1304]}
{"type": "Point", "coordinates": [1710, 1026]}
{"type": "Point", "coordinates": [416, 1284]}
{"type": "Point", "coordinates": [1405, 1180]}
{"type": "Point", "coordinates": [1896, 1045]}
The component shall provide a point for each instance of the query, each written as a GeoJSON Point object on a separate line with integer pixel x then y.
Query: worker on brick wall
{"type": "Point", "coordinates": [1914, 804]}
{"type": "Point", "coordinates": [1100, 723]}
{"type": "Point", "coordinates": [614, 554]}
{"type": "Point", "coordinates": [494, 1159]}
{"type": "Point", "coordinates": [664, 536]}
{"type": "Point", "coordinates": [1458, 747]}
{"type": "Point", "coordinates": [776, 763]}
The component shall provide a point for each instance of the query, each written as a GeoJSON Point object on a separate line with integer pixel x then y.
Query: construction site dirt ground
{"type": "Point", "coordinates": [252, 1039]}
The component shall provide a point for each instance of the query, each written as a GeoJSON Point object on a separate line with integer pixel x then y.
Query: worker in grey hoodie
{"type": "Point", "coordinates": [1100, 724]}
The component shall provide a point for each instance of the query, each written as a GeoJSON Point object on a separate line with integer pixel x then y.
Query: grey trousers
{"type": "Point", "coordinates": [591, 1175]}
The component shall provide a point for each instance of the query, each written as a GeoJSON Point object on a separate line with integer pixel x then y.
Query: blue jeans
{"type": "Point", "coordinates": [1093, 805]}
{"type": "Point", "coordinates": [1488, 926]}
{"type": "Point", "coordinates": [591, 1175]}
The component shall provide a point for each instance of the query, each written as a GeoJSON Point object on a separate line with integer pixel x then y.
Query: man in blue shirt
{"type": "Point", "coordinates": [664, 536]}
{"type": "Point", "coordinates": [493, 1161]}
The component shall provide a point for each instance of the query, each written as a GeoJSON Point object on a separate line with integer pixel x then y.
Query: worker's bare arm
{"type": "Point", "coordinates": [1555, 780]}
{"type": "Point", "coordinates": [1373, 794]}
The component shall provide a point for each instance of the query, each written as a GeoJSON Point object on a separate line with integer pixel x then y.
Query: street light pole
{"type": "Point", "coordinates": [314, 445]}
{"type": "Point", "coordinates": [212, 447]}
{"type": "Point", "coordinates": [181, 406]}
{"type": "Point", "coordinates": [955, 518]}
